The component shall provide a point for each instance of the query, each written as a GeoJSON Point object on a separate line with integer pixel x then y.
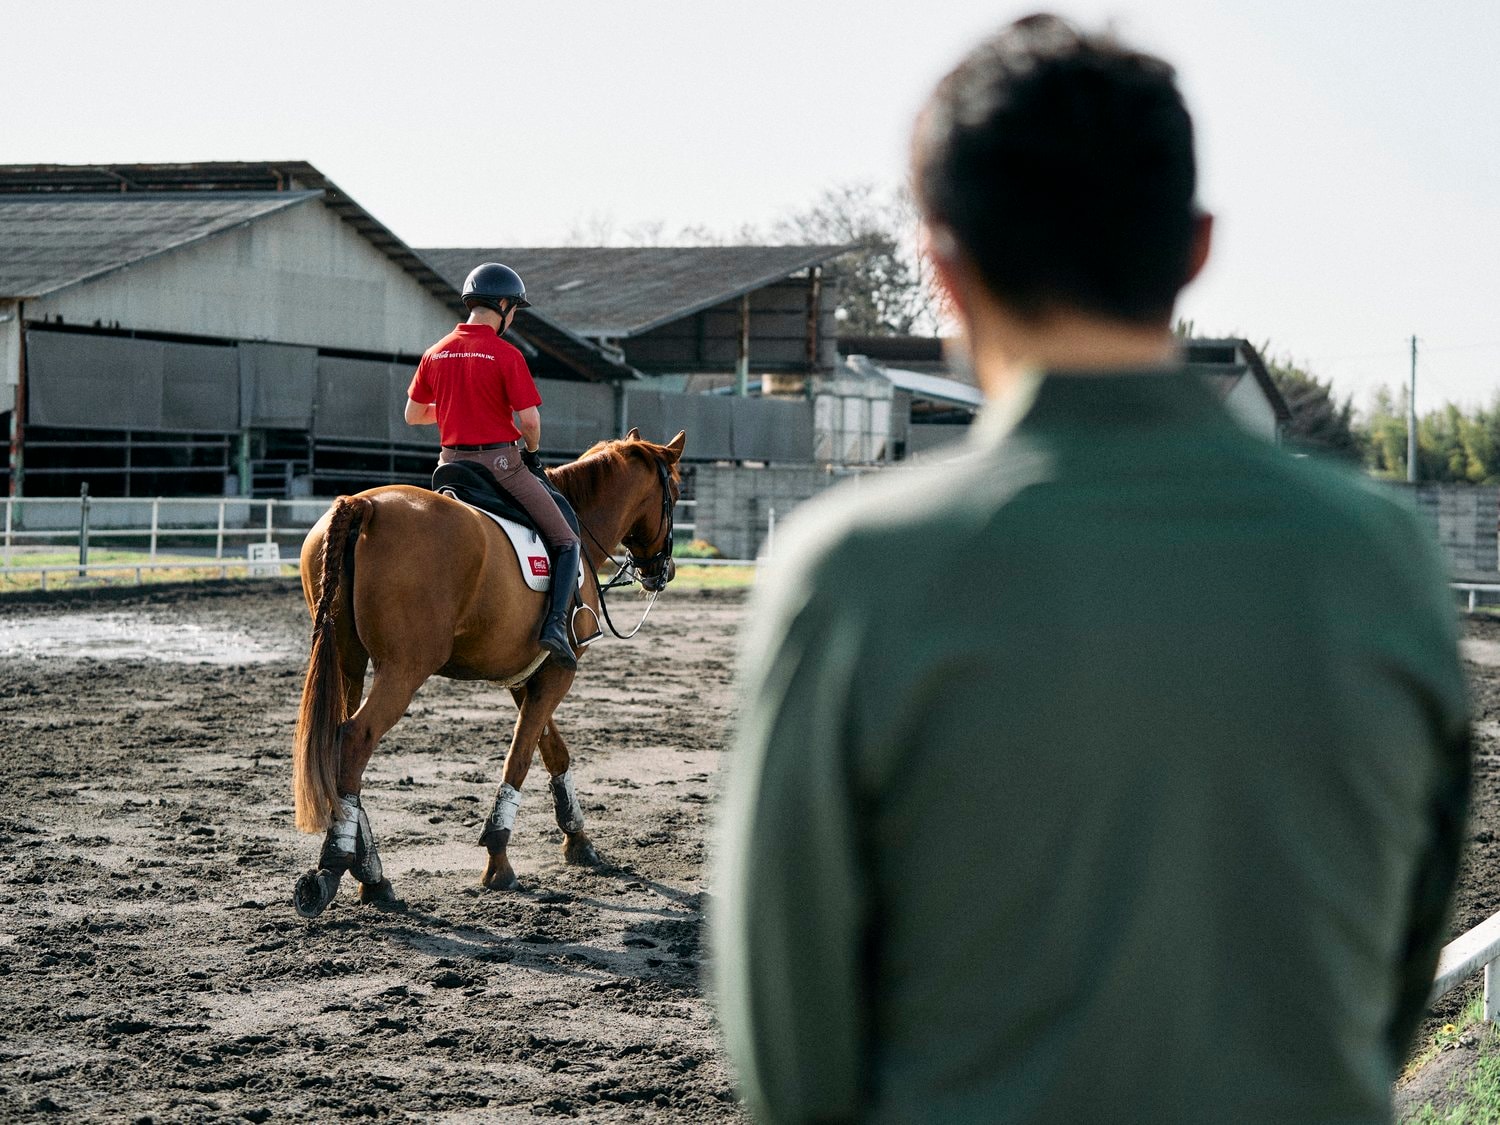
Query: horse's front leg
{"type": "Point", "coordinates": [577, 847]}
{"type": "Point", "coordinates": [538, 699]}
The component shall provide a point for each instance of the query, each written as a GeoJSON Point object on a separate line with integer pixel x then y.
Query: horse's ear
{"type": "Point", "coordinates": [633, 435]}
{"type": "Point", "coordinates": [674, 446]}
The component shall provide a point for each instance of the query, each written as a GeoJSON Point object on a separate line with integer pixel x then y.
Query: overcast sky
{"type": "Point", "coordinates": [1353, 161]}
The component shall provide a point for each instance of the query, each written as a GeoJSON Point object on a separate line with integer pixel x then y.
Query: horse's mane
{"type": "Point", "coordinates": [590, 477]}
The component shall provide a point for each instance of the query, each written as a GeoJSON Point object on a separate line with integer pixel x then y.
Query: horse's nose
{"type": "Point", "coordinates": [671, 569]}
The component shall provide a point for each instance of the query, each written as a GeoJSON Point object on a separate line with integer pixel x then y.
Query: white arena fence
{"type": "Point", "coordinates": [260, 525]}
{"type": "Point", "coordinates": [1466, 955]}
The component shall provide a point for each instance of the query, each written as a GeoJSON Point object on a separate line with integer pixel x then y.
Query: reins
{"type": "Point", "coordinates": [633, 571]}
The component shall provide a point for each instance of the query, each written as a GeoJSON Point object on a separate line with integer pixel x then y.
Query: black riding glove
{"type": "Point", "coordinates": [530, 459]}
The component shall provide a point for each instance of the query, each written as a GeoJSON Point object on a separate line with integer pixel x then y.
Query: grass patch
{"type": "Point", "coordinates": [714, 578]}
{"type": "Point", "coordinates": [121, 572]}
{"type": "Point", "coordinates": [1476, 1098]}
{"type": "Point", "coordinates": [1479, 1101]}
{"type": "Point", "coordinates": [1470, 1021]}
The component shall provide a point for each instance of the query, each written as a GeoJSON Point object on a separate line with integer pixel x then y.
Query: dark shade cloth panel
{"type": "Point", "coordinates": [575, 415]}
{"type": "Point", "coordinates": [354, 399]}
{"type": "Point", "coordinates": [200, 387]}
{"type": "Point", "coordinates": [772, 430]}
{"type": "Point", "coordinates": [277, 385]}
{"type": "Point", "coordinates": [96, 381]}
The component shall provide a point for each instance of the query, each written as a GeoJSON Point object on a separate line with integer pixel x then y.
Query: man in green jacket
{"type": "Point", "coordinates": [1115, 772]}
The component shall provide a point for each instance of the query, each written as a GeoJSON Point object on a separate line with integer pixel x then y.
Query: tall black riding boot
{"type": "Point", "coordinates": [555, 628]}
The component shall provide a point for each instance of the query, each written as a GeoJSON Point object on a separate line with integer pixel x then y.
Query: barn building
{"type": "Point", "coordinates": [694, 317]}
{"type": "Point", "coordinates": [246, 328]}
{"type": "Point", "coordinates": [936, 399]}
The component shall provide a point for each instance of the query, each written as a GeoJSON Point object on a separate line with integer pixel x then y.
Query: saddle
{"type": "Point", "coordinates": [469, 484]}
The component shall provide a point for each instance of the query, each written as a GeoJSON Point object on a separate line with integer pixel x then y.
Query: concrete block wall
{"type": "Point", "coordinates": [735, 503]}
{"type": "Point", "coordinates": [1463, 518]}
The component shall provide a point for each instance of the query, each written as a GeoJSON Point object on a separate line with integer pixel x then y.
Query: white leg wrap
{"type": "Point", "coordinates": [507, 803]}
{"type": "Point", "coordinates": [339, 843]}
{"type": "Point", "coordinates": [565, 801]}
{"type": "Point", "coordinates": [345, 830]}
{"type": "Point", "coordinates": [367, 867]}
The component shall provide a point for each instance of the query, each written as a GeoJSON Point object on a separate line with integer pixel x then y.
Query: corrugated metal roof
{"type": "Point", "coordinates": [609, 292]}
{"type": "Point", "coordinates": [125, 213]}
{"type": "Point", "coordinates": [919, 384]}
{"type": "Point", "coordinates": [934, 387]}
{"type": "Point", "coordinates": [49, 242]}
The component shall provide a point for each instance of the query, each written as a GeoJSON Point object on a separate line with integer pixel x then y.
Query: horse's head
{"type": "Point", "coordinates": [648, 534]}
{"type": "Point", "coordinates": [629, 484]}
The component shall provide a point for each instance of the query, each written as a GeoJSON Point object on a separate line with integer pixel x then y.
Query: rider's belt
{"type": "Point", "coordinates": [480, 448]}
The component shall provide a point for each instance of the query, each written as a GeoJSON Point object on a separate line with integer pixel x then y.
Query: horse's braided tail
{"type": "Point", "coordinates": [315, 748]}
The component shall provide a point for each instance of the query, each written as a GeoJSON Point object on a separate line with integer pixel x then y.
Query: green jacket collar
{"type": "Point", "coordinates": [1124, 399]}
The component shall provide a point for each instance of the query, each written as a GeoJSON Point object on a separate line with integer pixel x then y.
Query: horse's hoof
{"type": "Point", "coordinates": [382, 896]}
{"type": "Point", "coordinates": [314, 891]}
{"type": "Point", "coordinates": [580, 851]}
{"type": "Point", "coordinates": [500, 877]}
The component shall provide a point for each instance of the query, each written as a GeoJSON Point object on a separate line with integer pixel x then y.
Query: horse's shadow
{"type": "Point", "coordinates": [662, 948]}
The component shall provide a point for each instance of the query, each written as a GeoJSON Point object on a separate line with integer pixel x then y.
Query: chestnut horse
{"type": "Point", "coordinates": [419, 585]}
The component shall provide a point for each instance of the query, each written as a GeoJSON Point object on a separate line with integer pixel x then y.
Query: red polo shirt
{"type": "Point", "coordinates": [477, 380]}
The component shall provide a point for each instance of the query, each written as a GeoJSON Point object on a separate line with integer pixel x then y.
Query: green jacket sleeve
{"type": "Point", "coordinates": [789, 890]}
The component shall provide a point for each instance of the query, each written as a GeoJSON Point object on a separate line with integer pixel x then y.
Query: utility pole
{"type": "Point", "coordinates": [1411, 419]}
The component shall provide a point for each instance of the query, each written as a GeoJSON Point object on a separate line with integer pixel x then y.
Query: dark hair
{"type": "Point", "coordinates": [1062, 165]}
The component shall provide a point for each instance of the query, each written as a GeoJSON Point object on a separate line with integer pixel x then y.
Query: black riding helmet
{"type": "Point", "coordinates": [492, 283]}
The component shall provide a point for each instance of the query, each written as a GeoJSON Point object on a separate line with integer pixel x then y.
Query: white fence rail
{"type": "Point", "coordinates": [49, 519]}
{"type": "Point", "coordinates": [1474, 589]}
{"type": "Point", "coordinates": [1464, 956]}
{"type": "Point", "coordinates": [53, 518]}
{"type": "Point", "coordinates": [227, 520]}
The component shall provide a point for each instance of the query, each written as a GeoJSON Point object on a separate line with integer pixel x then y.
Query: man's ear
{"type": "Point", "coordinates": [950, 272]}
{"type": "Point", "coordinates": [1203, 237]}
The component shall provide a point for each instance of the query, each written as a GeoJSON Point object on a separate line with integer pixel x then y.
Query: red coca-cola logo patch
{"type": "Point", "coordinates": [539, 566]}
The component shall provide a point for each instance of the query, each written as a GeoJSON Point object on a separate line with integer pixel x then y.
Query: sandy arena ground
{"type": "Point", "coordinates": [151, 966]}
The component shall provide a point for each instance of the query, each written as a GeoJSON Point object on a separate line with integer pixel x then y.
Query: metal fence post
{"type": "Point", "coordinates": [1491, 993]}
{"type": "Point", "coordinates": [83, 529]}
{"type": "Point", "coordinates": [9, 505]}
{"type": "Point", "coordinates": [219, 548]}
{"type": "Point", "coordinates": [770, 533]}
{"type": "Point", "coordinates": [155, 520]}
{"type": "Point", "coordinates": [269, 510]}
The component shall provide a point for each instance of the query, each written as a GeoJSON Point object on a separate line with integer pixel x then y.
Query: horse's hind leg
{"type": "Point", "coordinates": [577, 847]}
{"type": "Point", "coordinates": [537, 700]}
{"type": "Point", "coordinates": [350, 842]}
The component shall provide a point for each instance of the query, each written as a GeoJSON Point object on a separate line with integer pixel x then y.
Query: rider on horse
{"type": "Point", "coordinates": [479, 391]}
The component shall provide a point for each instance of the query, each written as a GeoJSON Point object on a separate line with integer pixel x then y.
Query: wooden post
{"type": "Point", "coordinates": [814, 315]}
{"type": "Point", "coordinates": [742, 360]}
{"type": "Point", "coordinates": [18, 414]}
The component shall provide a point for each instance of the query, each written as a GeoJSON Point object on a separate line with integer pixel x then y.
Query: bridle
{"type": "Point", "coordinates": [653, 573]}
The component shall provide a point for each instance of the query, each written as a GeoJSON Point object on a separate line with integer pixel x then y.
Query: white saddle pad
{"type": "Point", "coordinates": [531, 552]}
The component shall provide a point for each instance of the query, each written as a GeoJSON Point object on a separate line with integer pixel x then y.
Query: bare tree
{"type": "Point", "coordinates": [885, 280]}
